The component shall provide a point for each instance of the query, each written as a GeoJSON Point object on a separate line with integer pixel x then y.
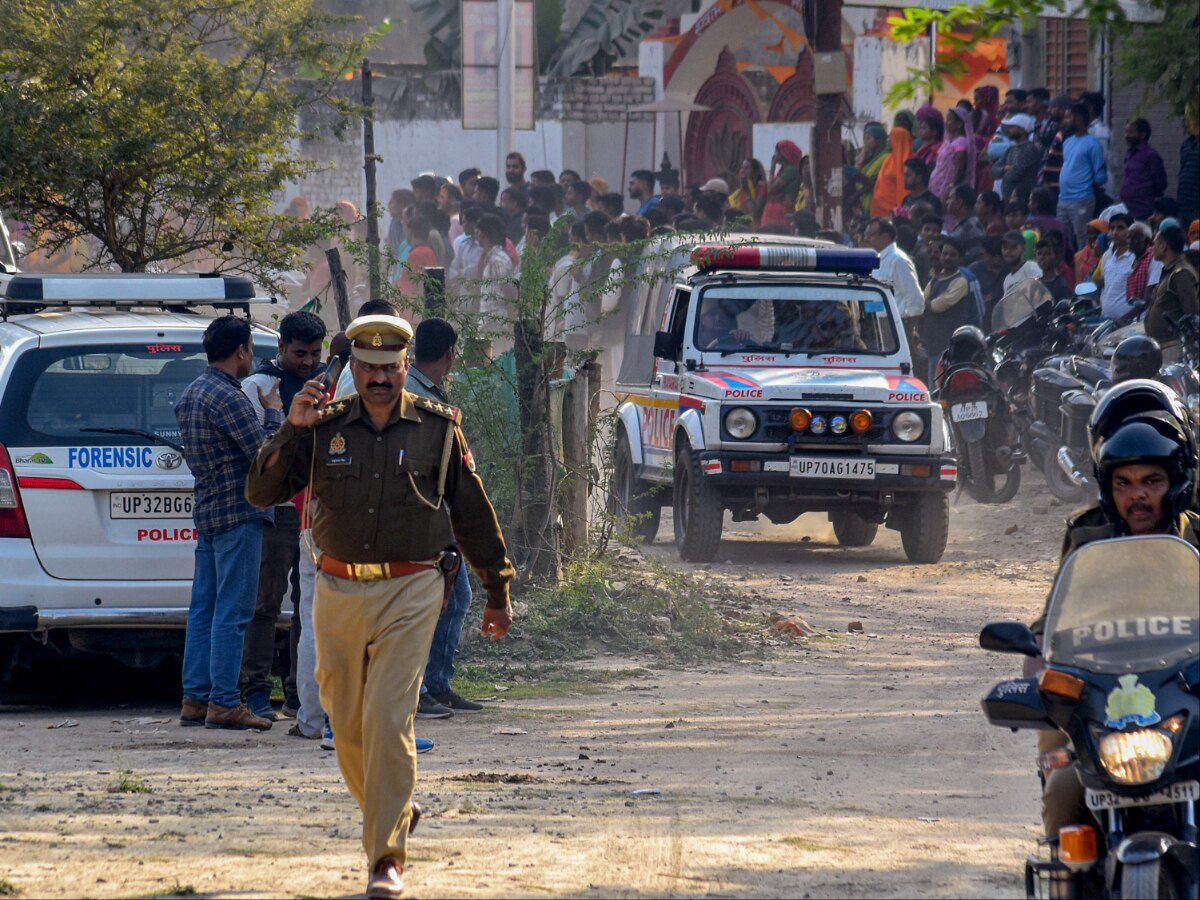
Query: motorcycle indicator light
{"type": "Point", "coordinates": [838, 425]}
{"type": "Point", "coordinates": [799, 419]}
{"type": "Point", "coordinates": [1054, 681]}
{"type": "Point", "coordinates": [1174, 724]}
{"type": "Point", "coordinates": [860, 422]}
{"type": "Point", "coordinates": [1077, 846]}
{"type": "Point", "coordinates": [818, 425]}
{"type": "Point", "coordinates": [1135, 757]}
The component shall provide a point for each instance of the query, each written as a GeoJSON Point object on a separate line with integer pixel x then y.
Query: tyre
{"type": "Point", "coordinates": [1060, 484]}
{"type": "Point", "coordinates": [697, 511]}
{"type": "Point", "coordinates": [634, 503]}
{"type": "Point", "coordinates": [979, 483]}
{"type": "Point", "coordinates": [851, 529]}
{"type": "Point", "coordinates": [1012, 484]}
{"type": "Point", "coordinates": [1148, 881]}
{"type": "Point", "coordinates": [924, 527]}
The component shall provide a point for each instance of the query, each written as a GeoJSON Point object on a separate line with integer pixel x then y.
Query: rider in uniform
{"type": "Point", "coordinates": [392, 475]}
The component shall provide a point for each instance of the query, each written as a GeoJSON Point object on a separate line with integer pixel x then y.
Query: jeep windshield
{"type": "Point", "coordinates": [1125, 605]}
{"type": "Point", "coordinates": [810, 319]}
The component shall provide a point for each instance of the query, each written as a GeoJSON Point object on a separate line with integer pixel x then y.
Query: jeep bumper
{"type": "Point", "coordinates": [736, 472]}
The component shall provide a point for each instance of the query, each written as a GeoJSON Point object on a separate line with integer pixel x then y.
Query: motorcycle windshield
{"type": "Point", "coordinates": [1125, 605]}
{"type": "Point", "coordinates": [1021, 302]}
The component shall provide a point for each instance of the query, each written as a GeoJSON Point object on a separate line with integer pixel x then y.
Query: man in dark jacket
{"type": "Point", "coordinates": [299, 358]}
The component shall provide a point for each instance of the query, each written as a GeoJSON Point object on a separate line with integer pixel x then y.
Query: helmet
{"type": "Point", "coordinates": [1148, 440]}
{"type": "Point", "coordinates": [1137, 398]}
{"type": "Point", "coordinates": [1138, 356]}
{"type": "Point", "coordinates": [967, 345]}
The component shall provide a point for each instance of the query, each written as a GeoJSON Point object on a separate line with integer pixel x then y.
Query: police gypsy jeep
{"type": "Point", "coordinates": [779, 383]}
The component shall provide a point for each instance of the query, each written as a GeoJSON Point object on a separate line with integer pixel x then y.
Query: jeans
{"type": "Point", "coordinates": [224, 587]}
{"type": "Point", "coordinates": [440, 668]}
{"type": "Point", "coordinates": [1075, 214]}
{"type": "Point", "coordinates": [280, 545]}
{"type": "Point", "coordinates": [311, 717]}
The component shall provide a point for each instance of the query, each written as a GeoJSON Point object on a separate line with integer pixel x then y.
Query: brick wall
{"type": "Point", "coordinates": [594, 99]}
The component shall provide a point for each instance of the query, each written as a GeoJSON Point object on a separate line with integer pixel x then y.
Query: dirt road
{"type": "Point", "coordinates": [844, 766]}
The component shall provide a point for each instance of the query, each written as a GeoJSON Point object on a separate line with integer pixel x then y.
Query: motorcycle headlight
{"type": "Point", "coordinates": [741, 423]}
{"type": "Point", "coordinates": [1135, 757]}
{"type": "Point", "coordinates": [908, 426]}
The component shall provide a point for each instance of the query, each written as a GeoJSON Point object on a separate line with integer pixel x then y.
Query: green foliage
{"type": "Point", "coordinates": [982, 20]}
{"type": "Point", "coordinates": [158, 132]}
{"type": "Point", "coordinates": [1165, 57]}
{"type": "Point", "coordinates": [127, 782]}
{"type": "Point", "coordinates": [606, 29]}
{"type": "Point", "coordinates": [8, 889]}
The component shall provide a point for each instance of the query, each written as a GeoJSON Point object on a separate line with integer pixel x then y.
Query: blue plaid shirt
{"type": "Point", "coordinates": [221, 436]}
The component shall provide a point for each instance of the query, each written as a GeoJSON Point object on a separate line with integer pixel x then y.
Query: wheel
{"type": "Point", "coordinates": [979, 483]}
{"type": "Point", "coordinates": [697, 511]}
{"type": "Point", "coordinates": [924, 527]}
{"type": "Point", "coordinates": [1060, 484]}
{"type": "Point", "coordinates": [633, 503]}
{"type": "Point", "coordinates": [1148, 881]}
{"type": "Point", "coordinates": [1012, 484]}
{"type": "Point", "coordinates": [851, 529]}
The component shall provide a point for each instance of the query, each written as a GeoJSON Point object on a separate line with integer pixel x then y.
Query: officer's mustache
{"type": "Point", "coordinates": [378, 384]}
{"type": "Point", "coordinates": [1139, 507]}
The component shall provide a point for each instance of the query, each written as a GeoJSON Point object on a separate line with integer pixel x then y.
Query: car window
{"type": "Point", "coordinates": [807, 319]}
{"type": "Point", "coordinates": [56, 393]}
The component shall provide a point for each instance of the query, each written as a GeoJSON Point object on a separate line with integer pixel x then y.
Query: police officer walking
{"type": "Point", "coordinates": [392, 475]}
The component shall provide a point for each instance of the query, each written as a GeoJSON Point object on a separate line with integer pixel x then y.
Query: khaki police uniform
{"type": "Point", "coordinates": [1063, 801]}
{"type": "Point", "coordinates": [387, 500]}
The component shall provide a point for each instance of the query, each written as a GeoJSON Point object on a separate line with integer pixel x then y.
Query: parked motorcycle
{"type": "Point", "coordinates": [1122, 680]}
{"type": "Point", "coordinates": [986, 438]}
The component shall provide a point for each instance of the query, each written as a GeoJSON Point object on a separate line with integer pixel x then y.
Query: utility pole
{"type": "Point", "coordinates": [370, 157]}
{"type": "Point", "coordinates": [827, 136]}
{"type": "Point", "coordinates": [506, 82]}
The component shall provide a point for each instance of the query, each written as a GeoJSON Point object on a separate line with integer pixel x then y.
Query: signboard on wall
{"type": "Point", "coordinates": [482, 51]}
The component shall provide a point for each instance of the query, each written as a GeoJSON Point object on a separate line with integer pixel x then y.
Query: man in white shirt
{"type": "Point", "coordinates": [1012, 250]}
{"type": "Point", "coordinates": [467, 252]}
{"type": "Point", "coordinates": [895, 267]}
{"type": "Point", "coordinates": [1115, 266]}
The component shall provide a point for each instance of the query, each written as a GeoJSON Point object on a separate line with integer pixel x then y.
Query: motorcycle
{"type": "Point", "coordinates": [1122, 680]}
{"type": "Point", "coordinates": [985, 432]}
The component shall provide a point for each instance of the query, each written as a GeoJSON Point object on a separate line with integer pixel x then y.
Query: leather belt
{"type": "Point", "coordinates": [371, 571]}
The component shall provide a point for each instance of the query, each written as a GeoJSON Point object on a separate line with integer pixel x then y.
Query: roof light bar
{"type": "Point", "coordinates": [138, 287]}
{"type": "Point", "coordinates": [785, 256]}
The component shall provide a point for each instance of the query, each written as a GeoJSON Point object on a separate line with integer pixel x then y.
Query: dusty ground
{"type": "Point", "coordinates": [857, 765]}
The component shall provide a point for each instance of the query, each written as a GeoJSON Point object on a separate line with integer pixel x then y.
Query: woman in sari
{"type": "Point", "coordinates": [889, 186]}
{"type": "Point", "coordinates": [861, 176]}
{"type": "Point", "coordinates": [986, 121]}
{"type": "Point", "coordinates": [784, 184]}
{"type": "Point", "coordinates": [930, 128]}
{"type": "Point", "coordinates": [751, 190]}
{"type": "Point", "coordinates": [956, 158]}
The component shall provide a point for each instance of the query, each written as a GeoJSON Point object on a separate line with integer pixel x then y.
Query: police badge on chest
{"type": "Point", "coordinates": [337, 455]}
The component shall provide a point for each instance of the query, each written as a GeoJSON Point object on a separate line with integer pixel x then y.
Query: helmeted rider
{"type": "Point", "coordinates": [1144, 459]}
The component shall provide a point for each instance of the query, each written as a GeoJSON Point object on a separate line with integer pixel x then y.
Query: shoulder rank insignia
{"type": "Point", "coordinates": [337, 446]}
{"type": "Point", "coordinates": [434, 406]}
{"type": "Point", "coordinates": [335, 408]}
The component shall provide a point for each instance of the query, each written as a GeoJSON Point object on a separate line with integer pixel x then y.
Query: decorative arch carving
{"type": "Point", "coordinates": [796, 99]}
{"type": "Point", "coordinates": [720, 138]}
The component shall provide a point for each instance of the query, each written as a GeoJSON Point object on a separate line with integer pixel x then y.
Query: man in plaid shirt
{"type": "Point", "coordinates": [221, 435]}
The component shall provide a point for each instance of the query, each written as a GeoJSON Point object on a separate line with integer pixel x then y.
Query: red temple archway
{"type": "Point", "coordinates": [719, 139]}
{"type": "Point", "coordinates": [796, 99]}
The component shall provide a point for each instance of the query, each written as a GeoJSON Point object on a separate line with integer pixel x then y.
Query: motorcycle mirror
{"type": "Point", "coordinates": [1086, 289]}
{"type": "Point", "coordinates": [1009, 637]}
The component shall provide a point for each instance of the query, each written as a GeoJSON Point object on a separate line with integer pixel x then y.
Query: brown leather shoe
{"type": "Point", "coordinates": [235, 717]}
{"type": "Point", "coordinates": [386, 881]}
{"type": "Point", "coordinates": [193, 713]}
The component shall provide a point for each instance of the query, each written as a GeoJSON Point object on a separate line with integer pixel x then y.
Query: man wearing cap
{"type": "Point", "coordinates": [392, 475]}
{"type": "Point", "coordinates": [1018, 168]}
{"type": "Point", "coordinates": [718, 186]}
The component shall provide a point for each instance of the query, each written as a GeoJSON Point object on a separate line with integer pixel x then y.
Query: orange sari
{"type": "Point", "coordinates": [889, 186]}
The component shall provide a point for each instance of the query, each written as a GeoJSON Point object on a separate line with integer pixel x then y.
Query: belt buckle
{"type": "Point", "coordinates": [367, 571]}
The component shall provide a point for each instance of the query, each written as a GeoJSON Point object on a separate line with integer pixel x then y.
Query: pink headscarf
{"type": "Point", "coordinates": [972, 149]}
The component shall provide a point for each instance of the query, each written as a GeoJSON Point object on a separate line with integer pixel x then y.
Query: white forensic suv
{"type": "Point", "coordinates": [96, 531]}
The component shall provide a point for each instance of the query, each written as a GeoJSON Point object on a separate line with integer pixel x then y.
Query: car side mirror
{"type": "Point", "coordinates": [1009, 637]}
{"type": "Point", "coordinates": [666, 346]}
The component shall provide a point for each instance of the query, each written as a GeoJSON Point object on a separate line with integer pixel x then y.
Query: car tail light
{"type": "Point", "coordinates": [12, 514]}
{"type": "Point", "coordinates": [964, 382]}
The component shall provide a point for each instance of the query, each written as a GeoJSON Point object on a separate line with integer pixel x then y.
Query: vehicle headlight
{"type": "Point", "coordinates": [838, 425]}
{"type": "Point", "coordinates": [741, 423]}
{"type": "Point", "coordinates": [1135, 757]}
{"type": "Point", "coordinates": [908, 426]}
{"type": "Point", "coordinates": [818, 425]}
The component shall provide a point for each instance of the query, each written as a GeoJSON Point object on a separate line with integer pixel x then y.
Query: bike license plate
{"type": "Point", "coordinates": [150, 505]}
{"type": "Point", "coordinates": [968, 412]}
{"type": "Point", "coordinates": [1174, 793]}
{"type": "Point", "coordinates": [818, 467]}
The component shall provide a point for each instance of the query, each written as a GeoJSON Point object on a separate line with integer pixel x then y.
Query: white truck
{"type": "Point", "coordinates": [772, 377]}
